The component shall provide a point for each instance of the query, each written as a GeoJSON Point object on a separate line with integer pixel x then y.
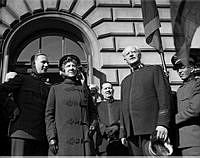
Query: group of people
{"type": "Point", "coordinates": [68, 118]}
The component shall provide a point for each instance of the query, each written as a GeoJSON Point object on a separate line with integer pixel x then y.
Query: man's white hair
{"type": "Point", "coordinates": [129, 48]}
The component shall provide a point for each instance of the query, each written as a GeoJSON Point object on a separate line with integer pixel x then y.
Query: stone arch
{"type": "Point", "coordinates": [51, 20]}
{"type": "Point", "coordinates": [195, 40]}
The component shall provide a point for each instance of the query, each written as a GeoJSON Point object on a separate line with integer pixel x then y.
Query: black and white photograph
{"type": "Point", "coordinates": [100, 78]}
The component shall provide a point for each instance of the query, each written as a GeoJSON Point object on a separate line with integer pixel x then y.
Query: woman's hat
{"type": "Point", "coordinates": [68, 58]}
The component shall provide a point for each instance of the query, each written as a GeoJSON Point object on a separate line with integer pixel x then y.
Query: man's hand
{"type": "Point", "coordinates": [124, 142]}
{"type": "Point", "coordinates": [82, 78]}
{"type": "Point", "coordinates": [10, 75]}
{"type": "Point", "coordinates": [53, 146]}
{"type": "Point", "coordinates": [162, 132]}
{"type": "Point", "coordinates": [91, 131]}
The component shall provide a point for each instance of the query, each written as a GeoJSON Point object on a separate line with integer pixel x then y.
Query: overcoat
{"type": "Point", "coordinates": [69, 113]}
{"type": "Point", "coordinates": [30, 93]}
{"type": "Point", "coordinates": [108, 115]}
{"type": "Point", "coordinates": [188, 116]}
{"type": "Point", "coordinates": [3, 120]}
{"type": "Point", "coordinates": [4, 123]}
{"type": "Point", "coordinates": [145, 95]}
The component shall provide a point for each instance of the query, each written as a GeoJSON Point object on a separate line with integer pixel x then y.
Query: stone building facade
{"type": "Point", "coordinates": [96, 30]}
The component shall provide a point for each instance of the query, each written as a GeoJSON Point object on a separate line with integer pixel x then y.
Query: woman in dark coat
{"type": "Point", "coordinates": [70, 114]}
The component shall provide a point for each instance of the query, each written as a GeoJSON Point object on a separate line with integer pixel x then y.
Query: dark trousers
{"type": "Point", "coordinates": [116, 148]}
{"type": "Point", "coordinates": [113, 148]}
{"type": "Point", "coordinates": [5, 146]}
{"type": "Point", "coordinates": [136, 144]}
{"type": "Point", "coordinates": [28, 147]}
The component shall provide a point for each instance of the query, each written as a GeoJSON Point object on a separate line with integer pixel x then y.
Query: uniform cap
{"type": "Point", "coordinates": [177, 62]}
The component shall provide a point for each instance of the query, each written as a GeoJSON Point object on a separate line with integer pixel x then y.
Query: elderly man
{"type": "Point", "coordinates": [27, 132]}
{"type": "Point", "coordinates": [188, 108]}
{"type": "Point", "coordinates": [145, 95]}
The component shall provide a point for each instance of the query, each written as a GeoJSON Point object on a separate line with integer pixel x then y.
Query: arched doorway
{"type": "Point", "coordinates": [55, 45]}
{"type": "Point", "coordinates": [68, 34]}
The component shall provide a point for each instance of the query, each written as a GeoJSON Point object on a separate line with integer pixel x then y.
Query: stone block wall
{"type": "Point", "coordinates": [119, 23]}
{"type": "Point", "coordinates": [115, 23]}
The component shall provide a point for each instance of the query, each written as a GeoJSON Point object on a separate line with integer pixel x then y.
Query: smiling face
{"type": "Point", "coordinates": [107, 90]}
{"type": "Point", "coordinates": [132, 55]}
{"type": "Point", "coordinates": [70, 69]}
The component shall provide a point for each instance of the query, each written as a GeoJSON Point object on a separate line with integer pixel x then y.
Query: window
{"type": "Point", "coordinates": [55, 46]}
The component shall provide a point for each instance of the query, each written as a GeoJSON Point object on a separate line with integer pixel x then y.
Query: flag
{"type": "Point", "coordinates": [185, 16]}
{"type": "Point", "coordinates": [151, 24]}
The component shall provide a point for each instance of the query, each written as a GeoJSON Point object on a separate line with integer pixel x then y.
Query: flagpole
{"type": "Point", "coordinates": [163, 62]}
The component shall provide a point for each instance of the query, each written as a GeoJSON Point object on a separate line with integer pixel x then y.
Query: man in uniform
{"type": "Point", "coordinates": [188, 108]}
{"type": "Point", "coordinates": [27, 132]}
{"type": "Point", "coordinates": [8, 111]}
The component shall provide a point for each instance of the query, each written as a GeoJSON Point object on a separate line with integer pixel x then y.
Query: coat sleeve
{"type": "Point", "coordinates": [122, 130]}
{"type": "Point", "coordinates": [12, 84]}
{"type": "Point", "coordinates": [193, 109]}
{"type": "Point", "coordinates": [51, 130]}
{"type": "Point", "coordinates": [87, 101]}
{"type": "Point", "coordinates": [163, 94]}
{"type": "Point", "coordinates": [92, 109]}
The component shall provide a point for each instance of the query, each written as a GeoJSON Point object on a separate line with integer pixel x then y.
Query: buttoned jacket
{"type": "Point", "coordinates": [109, 114]}
{"type": "Point", "coordinates": [188, 116]}
{"type": "Point", "coordinates": [30, 94]}
{"type": "Point", "coordinates": [145, 95]}
{"type": "Point", "coordinates": [69, 113]}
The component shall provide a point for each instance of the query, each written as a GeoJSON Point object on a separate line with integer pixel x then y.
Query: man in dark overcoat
{"type": "Point", "coordinates": [30, 91]}
{"type": "Point", "coordinates": [145, 96]}
{"type": "Point", "coordinates": [4, 123]}
{"type": "Point", "coordinates": [109, 118]}
{"type": "Point", "coordinates": [7, 113]}
{"type": "Point", "coordinates": [188, 108]}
